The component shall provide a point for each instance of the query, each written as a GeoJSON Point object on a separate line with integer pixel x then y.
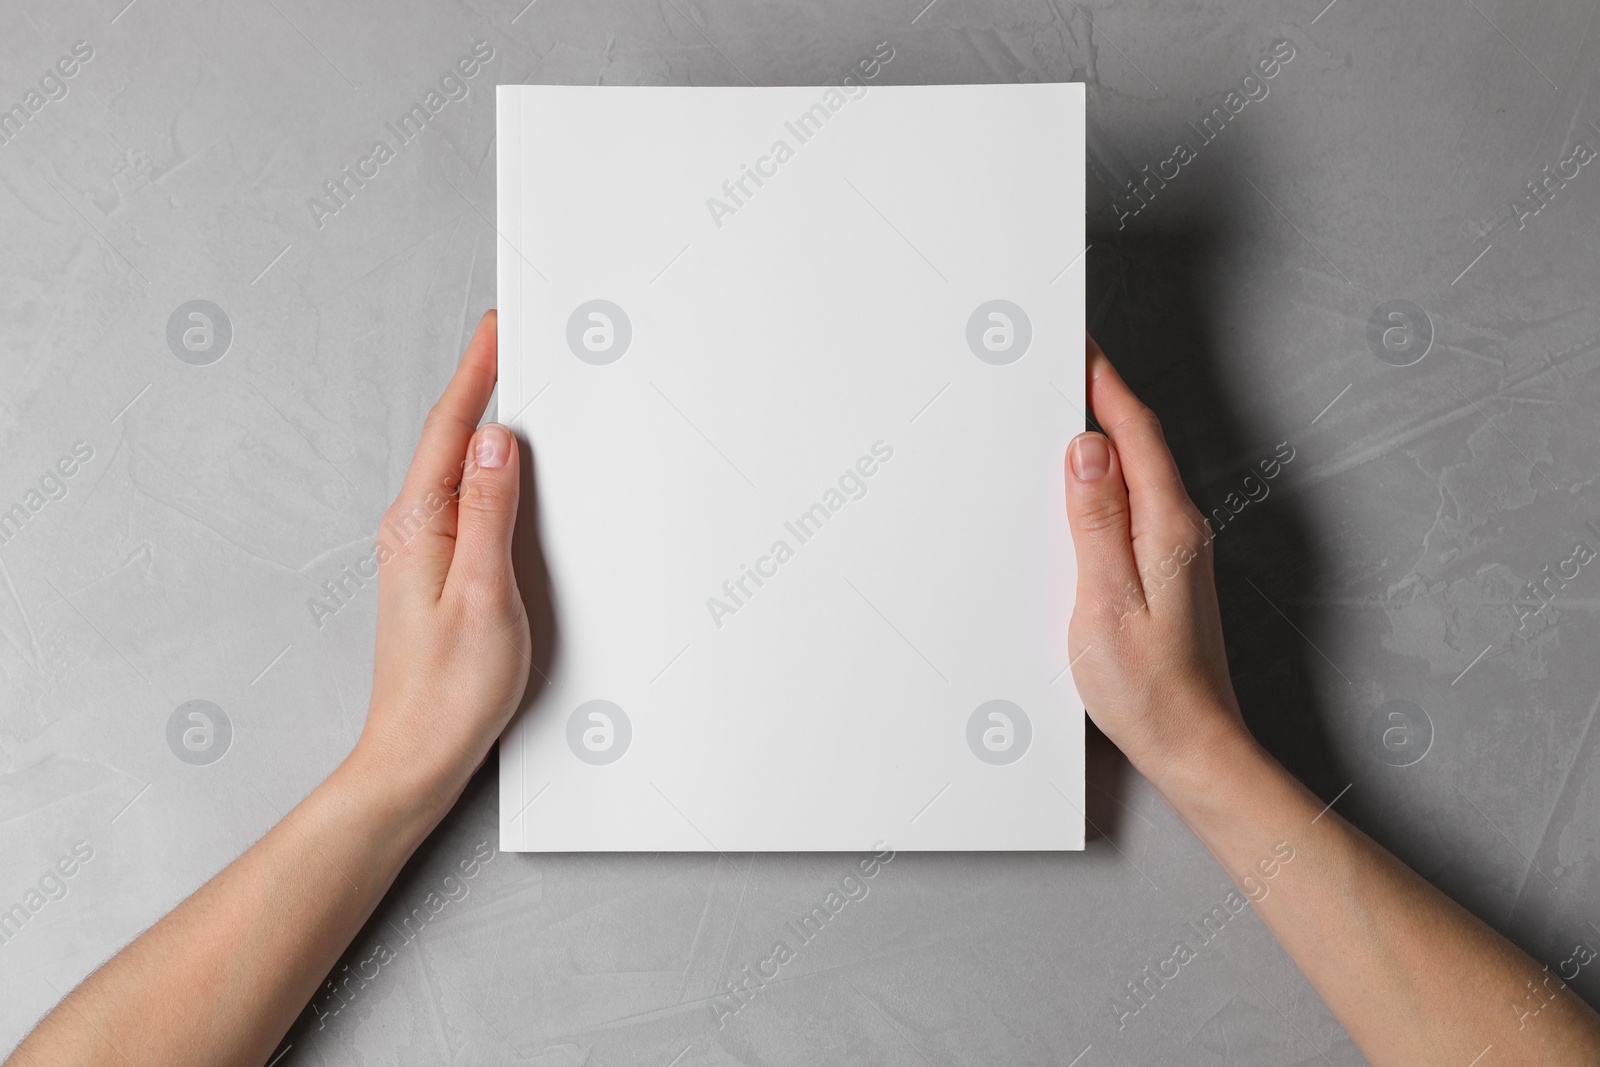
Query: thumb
{"type": "Point", "coordinates": [488, 509]}
{"type": "Point", "coordinates": [1097, 508]}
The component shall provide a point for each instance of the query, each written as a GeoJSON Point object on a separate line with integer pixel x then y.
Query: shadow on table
{"type": "Point", "coordinates": [1147, 297]}
{"type": "Point", "coordinates": [351, 990]}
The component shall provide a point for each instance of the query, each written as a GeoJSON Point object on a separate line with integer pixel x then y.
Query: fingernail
{"type": "Point", "coordinates": [1090, 457]}
{"type": "Point", "coordinates": [494, 445]}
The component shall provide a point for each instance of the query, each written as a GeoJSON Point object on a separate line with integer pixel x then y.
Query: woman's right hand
{"type": "Point", "coordinates": [1380, 945]}
{"type": "Point", "coordinates": [1146, 636]}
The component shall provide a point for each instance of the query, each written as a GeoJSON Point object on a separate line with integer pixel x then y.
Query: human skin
{"type": "Point", "coordinates": [253, 944]}
{"type": "Point", "coordinates": [1413, 977]}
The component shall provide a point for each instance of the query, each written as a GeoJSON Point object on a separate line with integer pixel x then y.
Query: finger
{"type": "Point", "coordinates": [1097, 508]}
{"type": "Point", "coordinates": [438, 462]}
{"type": "Point", "coordinates": [423, 517]}
{"type": "Point", "coordinates": [1163, 519]}
{"type": "Point", "coordinates": [1134, 429]}
{"type": "Point", "coordinates": [487, 514]}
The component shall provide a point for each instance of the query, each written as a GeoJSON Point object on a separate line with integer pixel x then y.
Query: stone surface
{"type": "Point", "coordinates": [1386, 571]}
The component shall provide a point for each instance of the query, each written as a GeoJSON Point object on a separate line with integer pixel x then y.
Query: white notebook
{"type": "Point", "coordinates": [798, 368]}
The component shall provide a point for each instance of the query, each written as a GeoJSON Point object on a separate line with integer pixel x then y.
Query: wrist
{"type": "Point", "coordinates": [1226, 781]}
{"type": "Point", "coordinates": [1213, 750]}
{"type": "Point", "coordinates": [404, 799]}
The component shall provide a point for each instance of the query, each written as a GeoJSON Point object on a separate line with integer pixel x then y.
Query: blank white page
{"type": "Point", "coordinates": [797, 368]}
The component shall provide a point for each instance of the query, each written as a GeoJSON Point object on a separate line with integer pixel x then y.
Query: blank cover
{"type": "Point", "coordinates": [797, 368]}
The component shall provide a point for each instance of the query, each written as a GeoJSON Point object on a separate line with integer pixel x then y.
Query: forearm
{"type": "Point", "coordinates": [221, 978]}
{"type": "Point", "coordinates": [1414, 978]}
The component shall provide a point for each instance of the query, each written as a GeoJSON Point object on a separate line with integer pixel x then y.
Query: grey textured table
{"type": "Point", "coordinates": [1351, 268]}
